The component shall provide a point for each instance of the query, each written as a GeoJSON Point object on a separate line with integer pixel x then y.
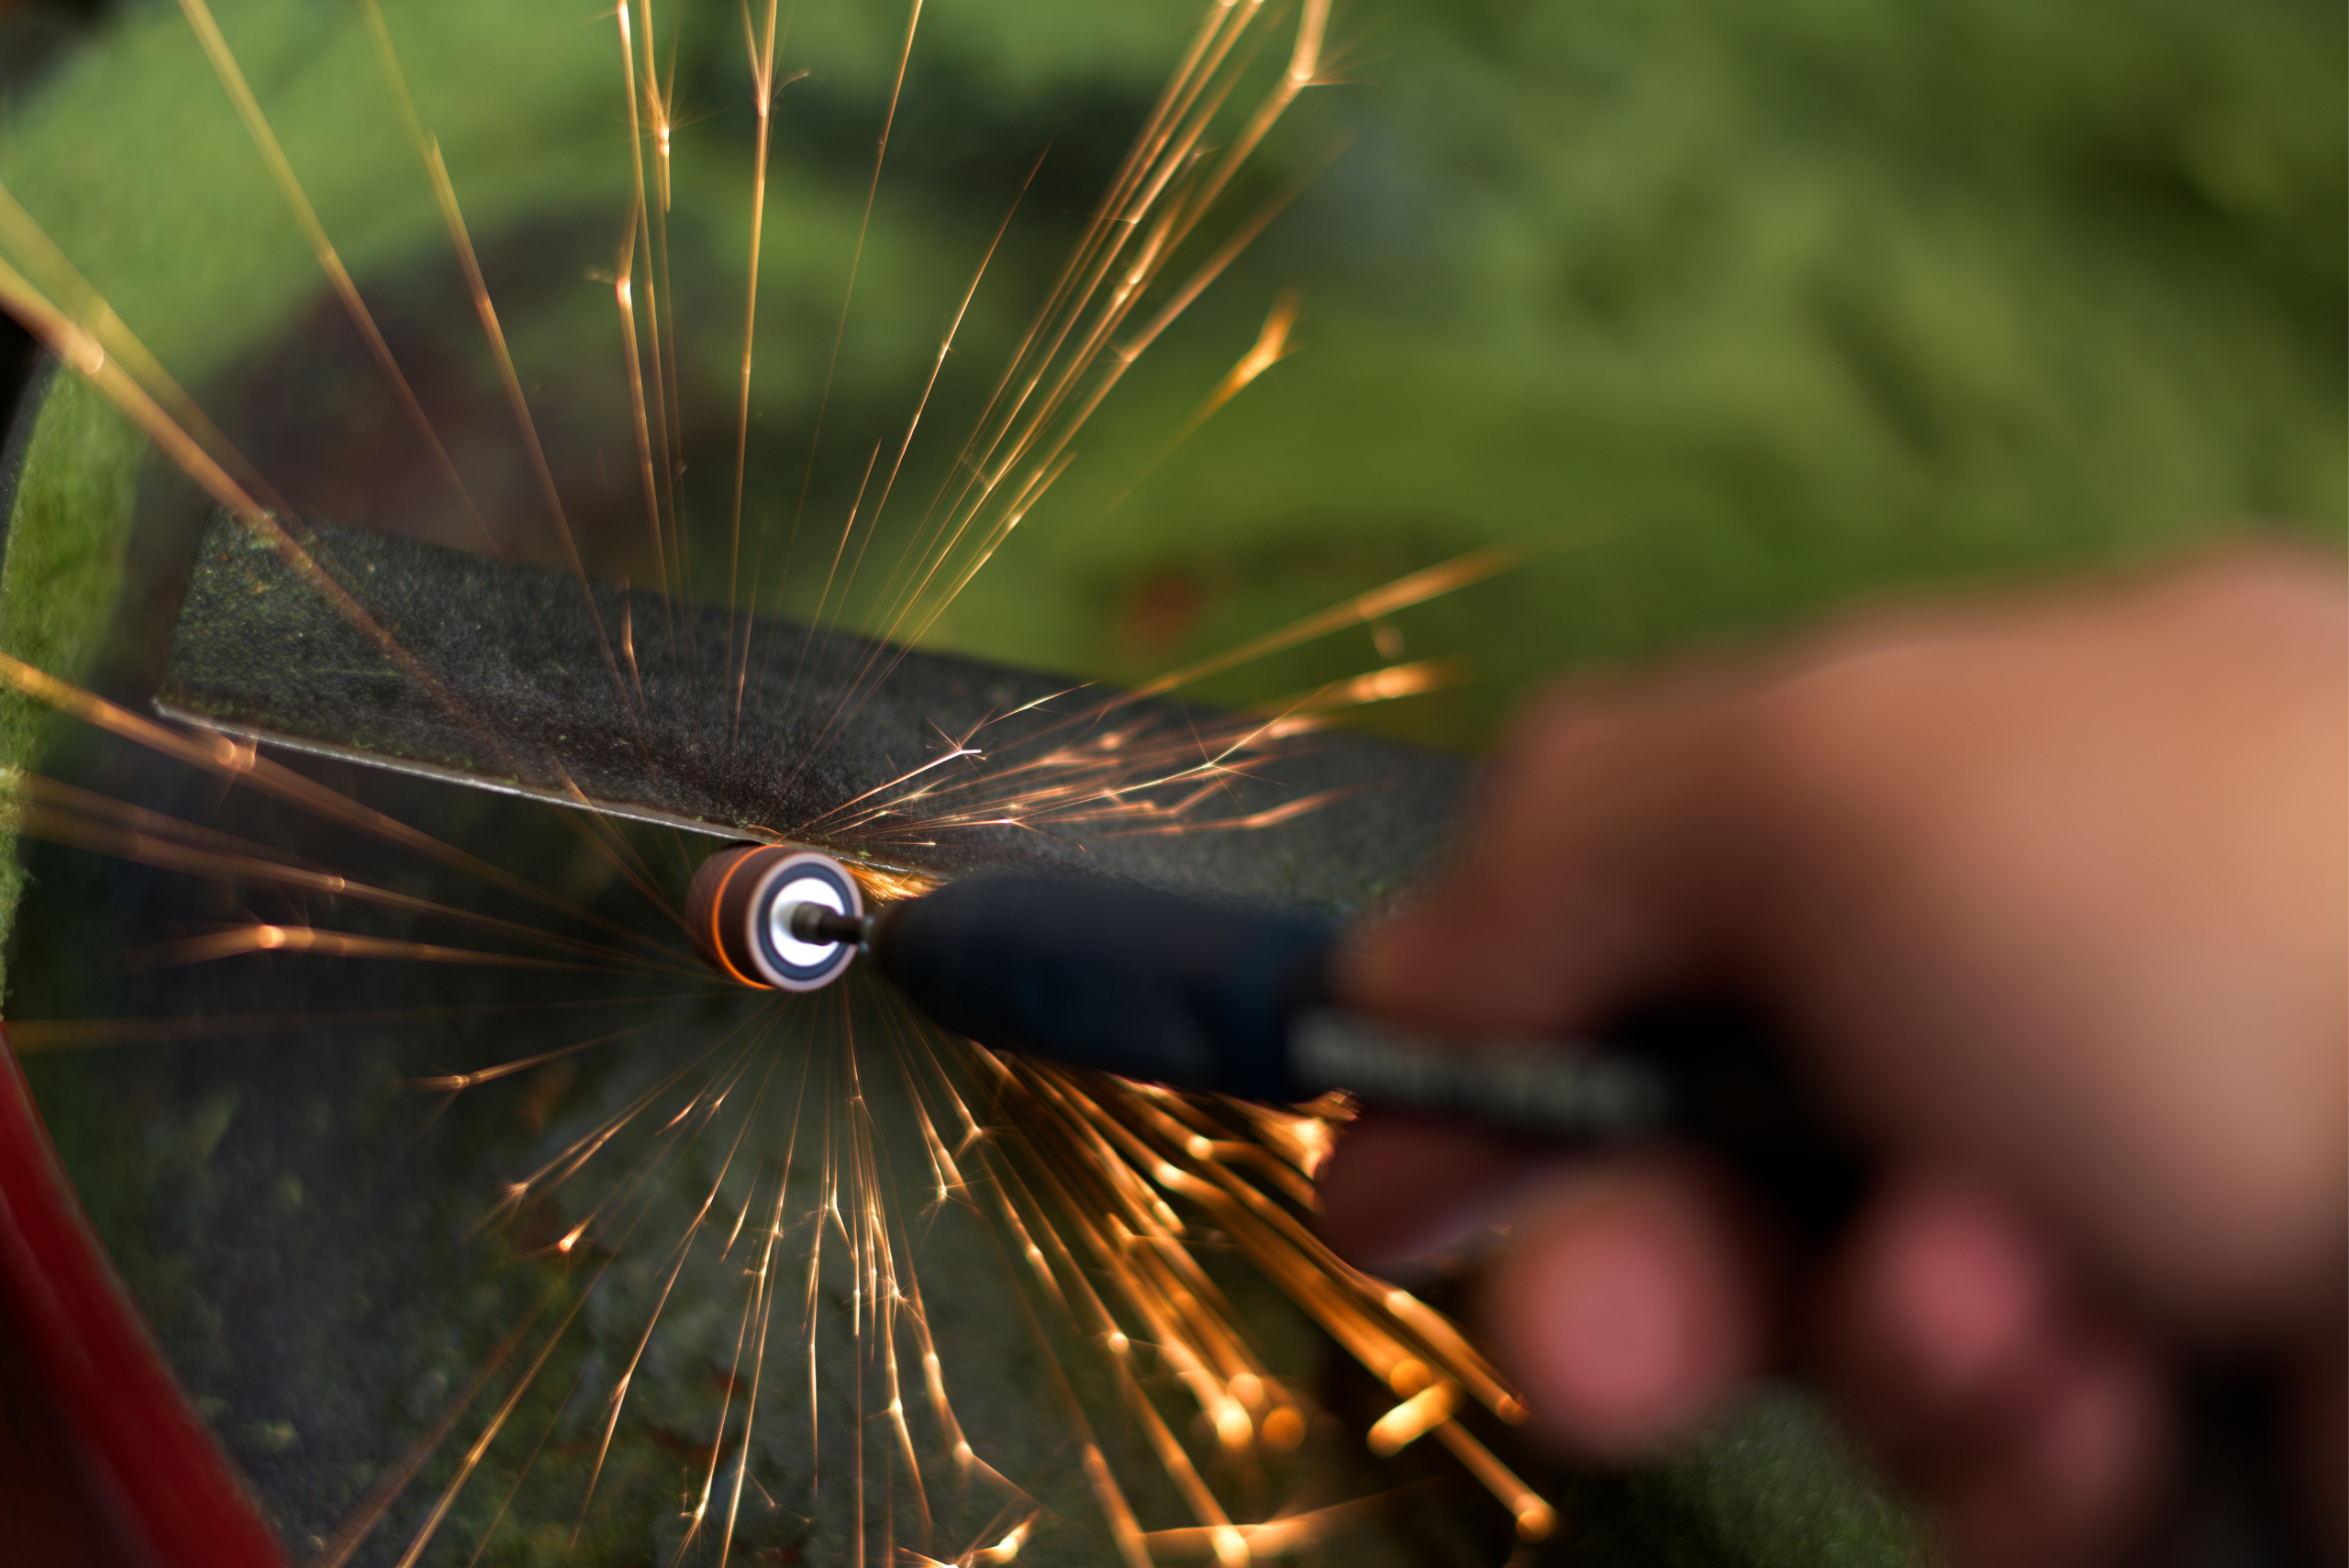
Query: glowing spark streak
{"type": "Point", "coordinates": [1165, 1282]}
{"type": "Point", "coordinates": [521, 1475]}
{"type": "Point", "coordinates": [1122, 358]}
{"type": "Point", "coordinates": [699, 1513]}
{"type": "Point", "coordinates": [832, 574]}
{"type": "Point", "coordinates": [1269, 350]}
{"type": "Point", "coordinates": [333, 944]}
{"type": "Point", "coordinates": [1136, 191]}
{"type": "Point", "coordinates": [1001, 1552]}
{"type": "Point", "coordinates": [1295, 715]}
{"type": "Point", "coordinates": [78, 348]}
{"type": "Point", "coordinates": [1334, 1296]}
{"type": "Point", "coordinates": [764, 91]}
{"type": "Point", "coordinates": [457, 1083]}
{"type": "Point", "coordinates": [990, 477]}
{"type": "Point", "coordinates": [1416, 588]}
{"type": "Point", "coordinates": [933, 1377]}
{"type": "Point", "coordinates": [486, 310]}
{"type": "Point", "coordinates": [40, 255]}
{"type": "Point", "coordinates": [1034, 1254]}
{"type": "Point", "coordinates": [896, 1406]}
{"type": "Point", "coordinates": [101, 808]}
{"type": "Point", "coordinates": [856, 262]}
{"type": "Point", "coordinates": [624, 298]}
{"type": "Point", "coordinates": [839, 332]}
{"type": "Point", "coordinates": [1319, 1276]}
{"type": "Point", "coordinates": [656, 103]}
{"type": "Point", "coordinates": [1535, 1518]}
{"type": "Point", "coordinates": [681, 1252]}
{"type": "Point", "coordinates": [742, 430]}
{"type": "Point", "coordinates": [893, 783]}
{"type": "Point", "coordinates": [1164, 234]}
{"type": "Point", "coordinates": [764, 1295]}
{"type": "Point", "coordinates": [1167, 1313]}
{"type": "Point", "coordinates": [1230, 1546]}
{"type": "Point", "coordinates": [808, 1322]}
{"type": "Point", "coordinates": [661, 318]}
{"type": "Point", "coordinates": [624, 294]}
{"type": "Point", "coordinates": [150, 849]}
{"type": "Point", "coordinates": [1191, 76]}
{"type": "Point", "coordinates": [1362, 1314]}
{"type": "Point", "coordinates": [1305, 1141]}
{"type": "Point", "coordinates": [1270, 817]}
{"type": "Point", "coordinates": [472, 1458]}
{"type": "Point", "coordinates": [628, 641]}
{"type": "Point", "coordinates": [638, 1183]}
{"type": "Point", "coordinates": [1127, 792]}
{"type": "Point", "coordinates": [352, 1533]}
{"type": "Point", "coordinates": [1056, 456]}
{"type": "Point", "coordinates": [947, 1173]}
{"type": "Point", "coordinates": [945, 347]}
{"type": "Point", "coordinates": [1467, 1363]}
{"type": "Point", "coordinates": [1304, 70]}
{"type": "Point", "coordinates": [1277, 1537]}
{"type": "Point", "coordinates": [1039, 481]}
{"type": "Point", "coordinates": [872, 187]}
{"type": "Point", "coordinates": [452, 217]}
{"type": "Point", "coordinates": [1095, 1317]}
{"type": "Point", "coordinates": [523, 1386]}
{"type": "Point", "coordinates": [1124, 1528]}
{"type": "Point", "coordinates": [1412, 1419]}
{"type": "Point", "coordinates": [29, 1036]}
{"type": "Point", "coordinates": [605, 838]}
{"type": "Point", "coordinates": [305, 217]}
{"type": "Point", "coordinates": [567, 1163]}
{"type": "Point", "coordinates": [219, 754]}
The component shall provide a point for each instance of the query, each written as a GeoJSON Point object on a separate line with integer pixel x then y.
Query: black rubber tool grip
{"type": "Point", "coordinates": [1235, 1000]}
{"type": "Point", "coordinates": [1109, 975]}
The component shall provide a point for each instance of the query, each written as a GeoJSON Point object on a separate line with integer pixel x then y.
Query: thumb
{"type": "Point", "coordinates": [1593, 869]}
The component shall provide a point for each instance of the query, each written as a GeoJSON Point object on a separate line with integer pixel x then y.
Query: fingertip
{"type": "Point", "coordinates": [2076, 1482]}
{"type": "Point", "coordinates": [1628, 1306]}
{"type": "Point", "coordinates": [2034, 1427]}
{"type": "Point", "coordinates": [1938, 1290]}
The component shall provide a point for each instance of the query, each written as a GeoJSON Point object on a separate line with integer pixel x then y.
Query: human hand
{"type": "Point", "coordinates": [2050, 899]}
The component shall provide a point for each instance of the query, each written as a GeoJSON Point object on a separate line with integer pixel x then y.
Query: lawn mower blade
{"type": "Point", "coordinates": [522, 680]}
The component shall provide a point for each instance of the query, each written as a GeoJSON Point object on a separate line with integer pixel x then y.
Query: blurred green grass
{"type": "Point", "coordinates": [1753, 310]}
{"type": "Point", "coordinates": [1768, 308]}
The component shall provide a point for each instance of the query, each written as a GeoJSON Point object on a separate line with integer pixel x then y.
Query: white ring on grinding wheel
{"type": "Point", "coordinates": [806, 877]}
{"type": "Point", "coordinates": [788, 896]}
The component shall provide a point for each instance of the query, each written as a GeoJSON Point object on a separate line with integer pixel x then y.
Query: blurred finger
{"type": "Point", "coordinates": [1580, 883]}
{"type": "Point", "coordinates": [1630, 1302]}
{"type": "Point", "coordinates": [1961, 1350]}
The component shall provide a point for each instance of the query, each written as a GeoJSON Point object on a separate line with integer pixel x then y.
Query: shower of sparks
{"type": "Point", "coordinates": [1086, 336]}
{"type": "Point", "coordinates": [1099, 1187]}
{"type": "Point", "coordinates": [817, 1141]}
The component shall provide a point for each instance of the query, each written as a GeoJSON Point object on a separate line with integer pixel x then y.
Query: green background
{"type": "Point", "coordinates": [1751, 309]}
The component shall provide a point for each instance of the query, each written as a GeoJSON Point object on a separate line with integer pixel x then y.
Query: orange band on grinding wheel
{"type": "Point", "coordinates": [717, 906]}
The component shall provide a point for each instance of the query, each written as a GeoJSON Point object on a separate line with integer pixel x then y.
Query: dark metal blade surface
{"type": "Point", "coordinates": [519, 679]}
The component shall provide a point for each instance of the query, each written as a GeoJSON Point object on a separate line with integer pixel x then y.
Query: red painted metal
{"type": "Point", "coordinates": [103, 1460]}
